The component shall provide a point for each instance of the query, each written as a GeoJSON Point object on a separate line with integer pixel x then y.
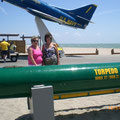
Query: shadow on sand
{"type": "Point", "coordinates": [25, 117]}
{"type": "Point", "coordinates": [89, 114]}
{"type": "Point", "coordinates": [93, 115]}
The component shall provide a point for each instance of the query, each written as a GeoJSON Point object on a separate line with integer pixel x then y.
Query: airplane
{"type": "Point", "coordinates": [77, 18]}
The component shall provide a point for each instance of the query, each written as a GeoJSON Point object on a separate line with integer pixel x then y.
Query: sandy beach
{"type": "Point", "coordinates": [102, 51]}
{"type": "Point", "coordinates": [83, 108]}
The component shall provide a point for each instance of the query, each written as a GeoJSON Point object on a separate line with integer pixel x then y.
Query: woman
{"type": "Point", "coordinates": [34, 53]}
{"type": "Point", "coordinates": [50, 52]}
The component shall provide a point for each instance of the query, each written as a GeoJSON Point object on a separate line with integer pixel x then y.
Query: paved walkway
{"type": "Point", "coordinates": [22, 61]}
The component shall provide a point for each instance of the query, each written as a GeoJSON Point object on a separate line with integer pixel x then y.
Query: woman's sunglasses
{"type": "Point", "coordinates": [35, 40]}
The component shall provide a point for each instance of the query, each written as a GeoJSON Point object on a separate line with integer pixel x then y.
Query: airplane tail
{"type": "Point", "coordinates": [83, 14]}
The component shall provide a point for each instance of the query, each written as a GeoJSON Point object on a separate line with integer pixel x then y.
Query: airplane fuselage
{"type": "Point", "coordinates": [45, 11]}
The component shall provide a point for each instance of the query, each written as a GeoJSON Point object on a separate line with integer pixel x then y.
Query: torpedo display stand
{"type": "Point", "coordinates": [42, 102]}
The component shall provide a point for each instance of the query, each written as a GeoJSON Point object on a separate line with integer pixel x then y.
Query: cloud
{"type": "Point", "coordinates": [109, 12]}
{"type": "Point", "coordinates": [98, 34]}
{"type": "Point", "coordinates": [66, 33]}
{"type": "Point", "coordinates": [55, 34]}
{"type": "Point", "coordinates": [77, 34]}
{"type": "Point", "coordinates": [3, 11]}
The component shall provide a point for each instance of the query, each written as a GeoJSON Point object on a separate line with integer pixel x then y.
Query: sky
{"type": "Point", "coordinates": [106, 27]}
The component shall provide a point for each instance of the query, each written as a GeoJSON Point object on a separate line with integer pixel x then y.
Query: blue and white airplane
{"type": "Point", "coordinates": [77, 18]}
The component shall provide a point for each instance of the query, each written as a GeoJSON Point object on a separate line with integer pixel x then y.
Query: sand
{"type": "Point", "coordinates": [88, 108]}
{"type": "Point", "coordinates": [102, 51]}
{"type": "Point", "coordinates": [83, 108]}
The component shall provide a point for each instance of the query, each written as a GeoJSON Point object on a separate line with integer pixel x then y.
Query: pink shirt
{"type": "Point", "coordinates": [37, 55]}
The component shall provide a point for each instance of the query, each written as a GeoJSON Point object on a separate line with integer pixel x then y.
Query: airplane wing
{"type": "Point", "coordinates": [45, 16]}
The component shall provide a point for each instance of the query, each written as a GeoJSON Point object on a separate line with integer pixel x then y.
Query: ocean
{"type": "Point", "coordinates": [82, 45]}
{"type": "Point", "coordinates": [100, 45]}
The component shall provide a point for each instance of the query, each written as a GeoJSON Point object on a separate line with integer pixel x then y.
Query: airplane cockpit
{"type": "Point", "coordinates": [36, 1]}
